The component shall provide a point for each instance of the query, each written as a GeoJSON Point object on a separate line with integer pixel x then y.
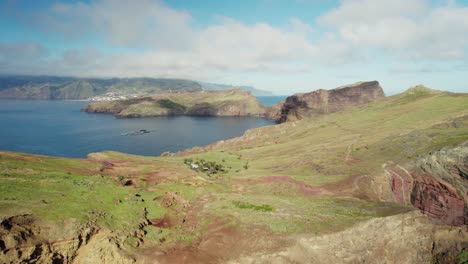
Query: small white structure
{"type": "Point", "coordinates": [194, 166]}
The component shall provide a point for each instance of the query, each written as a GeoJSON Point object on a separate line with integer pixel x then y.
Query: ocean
{"type": "Point", "coordinates": [58, 128]}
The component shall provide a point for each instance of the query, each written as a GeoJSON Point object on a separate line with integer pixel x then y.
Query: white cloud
{"type": "Point", "coordinates": [158, 41]}
{"type": "Point", "coordinates": [405, 27]}
{"type": "Point", "coordinates": [140, 23]}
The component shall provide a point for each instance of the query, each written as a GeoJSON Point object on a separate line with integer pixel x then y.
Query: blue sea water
{"type": "Point", "coordinates": [58, 128]}
{"type": "Point", "coordinates": [271, 100]}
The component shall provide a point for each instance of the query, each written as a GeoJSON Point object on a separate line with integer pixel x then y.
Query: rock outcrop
{"type": "Point", "coordinates": [436, 184]}
{"type": "Point", "coordinates": [25, 239]}
{"type": "Point", "coordinates": [322, 101]}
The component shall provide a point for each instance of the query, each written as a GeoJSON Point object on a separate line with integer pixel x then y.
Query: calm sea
{"type": "Point", "coordinates": [271, 100]}
{"type": "Point", "coordinates": [58, 128]}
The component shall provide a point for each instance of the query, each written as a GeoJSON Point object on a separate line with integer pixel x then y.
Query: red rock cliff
{"type": "Point", "coordinates": [437, 185]}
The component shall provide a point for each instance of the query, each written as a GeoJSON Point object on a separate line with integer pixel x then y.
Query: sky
{"type": "Point", "coordinates": [283, 46]}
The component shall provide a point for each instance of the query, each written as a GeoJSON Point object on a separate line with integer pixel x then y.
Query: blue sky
{"type": "Point", "coordinates": [277, 45]}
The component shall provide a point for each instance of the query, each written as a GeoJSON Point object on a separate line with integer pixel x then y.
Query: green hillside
{"type": "Point", "coordinates": [281, 182]}
{"type": "Point", "coordinates": [59, 88]}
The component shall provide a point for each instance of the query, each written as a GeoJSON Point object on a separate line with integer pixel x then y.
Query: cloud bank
{"type": "Point", "coordinates": [149, 38]}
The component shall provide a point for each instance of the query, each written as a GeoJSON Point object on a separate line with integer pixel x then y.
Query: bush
{"type": "Point", "coordinates": [244, 205]}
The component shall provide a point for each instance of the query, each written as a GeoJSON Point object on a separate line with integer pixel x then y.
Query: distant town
{"type": "Point", "coordinates": [113, 96]}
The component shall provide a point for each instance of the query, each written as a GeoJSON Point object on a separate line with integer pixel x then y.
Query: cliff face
{"type": "Point", "coordinates": [436, 184]}
{"type": "Point", "coordinates": [206, 103]}
{"type": "Point", "coordinates": [329, 101]}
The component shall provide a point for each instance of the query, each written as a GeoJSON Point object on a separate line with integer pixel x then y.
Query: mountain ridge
{"type": "Point", "coordinates": [77, 88]}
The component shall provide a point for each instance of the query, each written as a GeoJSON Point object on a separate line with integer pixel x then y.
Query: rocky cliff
{"type": "Point", "coordinates": [233, 102]}
{"type": "Point", "coordinates": [322, 101]}
{"type": "Point", "coordinates": [435, 184]}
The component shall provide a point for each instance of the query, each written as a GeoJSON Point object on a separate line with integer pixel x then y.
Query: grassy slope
{"type": "Point", "coordinates": [318, 152]}
{"type": "Point", "coordinates": [56, 189]}
{"type": "Point", "coordinates": [315, 151]}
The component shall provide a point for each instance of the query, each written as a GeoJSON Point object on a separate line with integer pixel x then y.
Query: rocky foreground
{"type": "Point", "coordinates": [383, 182]}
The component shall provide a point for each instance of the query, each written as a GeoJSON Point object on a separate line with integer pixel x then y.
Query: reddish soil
{"type": "Point", "coordinates": [164, 222]}
{"type": "Point", "coordinates": [220, 242]}
{"type": "Point", "coordinates": [346, 185]}
{"type": "Point", "coordinates": [305, 188]}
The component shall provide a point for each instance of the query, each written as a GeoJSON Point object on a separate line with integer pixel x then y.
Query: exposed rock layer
{"type": "Point", "coordinates": [24, 239]}
{"type": "Point", "coordinates": [436, 184]}
{"type": "Point", "coordinates": [329, 101]}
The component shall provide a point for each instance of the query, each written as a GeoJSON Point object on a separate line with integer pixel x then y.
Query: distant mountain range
{"type": "Point", "coordinates": [72, 88]}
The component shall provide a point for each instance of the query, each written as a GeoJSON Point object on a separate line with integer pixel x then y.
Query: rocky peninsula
{"type": "Point", "coordinates": [323, 101]}
{"type": "Point", "coordinates": [234, 102]}
{"type": "Point", "coordinates": [237, 102]}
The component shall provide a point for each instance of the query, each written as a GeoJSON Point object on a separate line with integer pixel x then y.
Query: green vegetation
{"type": "Point", "coordinates": [43, 87]}
{"type": "Point", "coordinates": [462, 258]}
{"type": "Point", "coordinates": [353, 142]}
{"type": "Point", "coordinates": [58, 189]}
{"type": "Point", "coordinates": [50, 87]}
{"type": "Point", "coordinates": [209, 167]}
{"type": "Point", "coordinates": [244, 205]}
{"type": "Point", "coordinates": [294, 178]}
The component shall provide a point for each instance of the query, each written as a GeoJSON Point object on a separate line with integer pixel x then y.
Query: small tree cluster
{"type": "Point", "coordinates": [209, 167]}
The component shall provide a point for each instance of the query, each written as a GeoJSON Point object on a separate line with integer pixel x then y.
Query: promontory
{"type": "Point", "coordinates": [234, 102]}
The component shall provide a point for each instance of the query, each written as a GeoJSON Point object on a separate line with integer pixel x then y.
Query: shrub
{"type": "Point", "coordinates": [244, 205]}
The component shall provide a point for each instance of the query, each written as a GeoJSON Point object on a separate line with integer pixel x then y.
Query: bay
{"type": "Point", "coordinates": [58, 128]}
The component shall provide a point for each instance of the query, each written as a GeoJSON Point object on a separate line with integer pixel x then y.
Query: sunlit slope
{"type": "Point", "coordinates": [357, 141]}
{"type": "Point", "coordinates": [277, 182]}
